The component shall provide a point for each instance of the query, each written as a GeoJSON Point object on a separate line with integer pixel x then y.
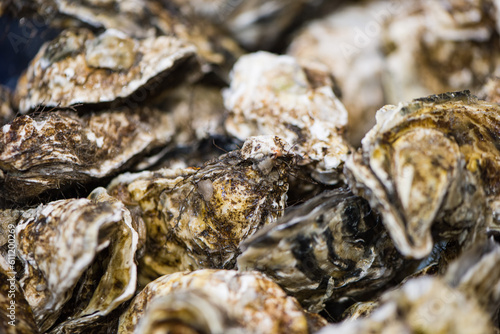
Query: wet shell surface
{"type": "Point", "coordinates": [463, 301]}
{"type": "Point", "coordinates": [274, 95]}
{"type": "Point", "coordinates": [59, 245]}
{"type": "Point", "coordinates": [197, 217]}
{"type": "Point", "coordinates": [52, 150]}
{"type": "Point", "coordinates": [328, 248]}
{"type": "Point", "coordinates": [213, 301]}
{"type": "Point", "coordinates": [432, 168]}
{"type": "Point", "coordinates": [80, 67]}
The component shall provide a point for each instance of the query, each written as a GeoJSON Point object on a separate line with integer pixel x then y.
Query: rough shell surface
{"type": "Point", "coordinates": [214, 301]}
{"type": "Point", "coordinates": [15, 308]}
{"type": "Point", "coordinates": [333, 42]}
{"type": "Point", "coordinates": [328, 248]}
{"type": "Point", "coordinates": [463, 301]}
{"type": "Point", "coordinates": [383, 52]}
{"type": "Point", "coordinates": [197, 217]}
{"type": "Point", "coordinates": [273, 95]}
{"type": "Point", "coordinates": [432, 168]}
{"type": "Point", "coordinates": [53, 149]}
{"type": "Point", "coordinates": [80, 67]}
{"type": "Point", "coordinates": [422, 36]}
{"type": "Point", "coordinates": [58, 242]}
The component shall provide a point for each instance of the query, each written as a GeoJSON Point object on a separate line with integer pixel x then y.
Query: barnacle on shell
{"type": "Point", "coordinates": [197, 217]}
{"type": "Point", "coordinates": [431, 167]}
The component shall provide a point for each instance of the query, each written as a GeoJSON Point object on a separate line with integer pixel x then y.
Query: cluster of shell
{"type": "Point", "coordinates": [157, 177]}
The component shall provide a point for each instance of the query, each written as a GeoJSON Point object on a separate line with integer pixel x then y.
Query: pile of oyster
{"type": "Point", "coordinates": [221, 166]}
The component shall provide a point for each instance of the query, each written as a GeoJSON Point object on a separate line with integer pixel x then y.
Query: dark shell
{"type": "Point", "coordinates": [197, 217]}
{"type": "Point", "coordinates": [432, 168]}
{"type": "Point", "coordinates": [328, 248]}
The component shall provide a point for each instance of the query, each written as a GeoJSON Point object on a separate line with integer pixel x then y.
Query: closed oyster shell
{"type": "Point", "coordinates": [273, 95]}
{"type": "Point", "coordinates": [431, 167]}
{"type": "Point", "coordinates": [465, 300]}
{"type": "Point", "coordinates": [59, 241]}
{"type": "Point", "coordinates": [79, 67]}
{"type": "Point", "coordinates": [328, 248]}
{"type": "Point", "coordinates": [197, 217]}
{"type": "Point", "coordinates": [356, 61]}
{"type": "Point", "coordinates": [16, 316]}
{"type": "Point", "coordinates": [213, 301]}
{"type": "Point", "coordinates": [54, 149]}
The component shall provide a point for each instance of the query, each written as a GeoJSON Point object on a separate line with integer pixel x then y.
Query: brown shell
{"type": "Point", "coordinates": [51, 150]}
{"type": "Point", "coordinates": [214, 301]}
{"type": "Point", "coordinates": [80, 67]}
{"type": "Point", "coordinates": [432, 165]}
{"type": "Point", "coordinates": [329, 248]}
{"type": "Point", "coordinates": [465, 300]}
{"type": "Point", "coordinates": [196, 218]}
{"type": "Point", "coordinates": [58, 242]}
{"type": "Point", "coordinates": [274, 95]}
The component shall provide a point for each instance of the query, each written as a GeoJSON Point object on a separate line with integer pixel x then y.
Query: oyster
{"type": "Point", "coordinates": [59, 242]}
{"type": "Point", "coordinates": [79, 67]}
{"type": "Point", "coordinates": [51, 150]}
{"type": "Point", "coordinates": [465, 300]}
{"type": "Point", "coordinates": [330, 247]}
{"type": "Point", "coordinates": [197, 217]}
{"type": "Point", "coordinates": [431, 167]}
{"type": "Point", "coordinates": [16, 316]}
{"type": "Point", "coordinates": [383, 52]}
{"type": "Point", "coordinates": [333, 42]}
{"type": "Point", "coordinates": [273, 95]}
{"type": "Point", "coordinates": [213, 301]}
{"type": "Point", "coordinates": [424, 35]}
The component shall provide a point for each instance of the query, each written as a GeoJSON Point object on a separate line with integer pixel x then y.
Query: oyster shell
{"type": "Point", "coordinates": [424, 35]}
{"type": "Point", "coordinates": [213, 301]}
{"type": "Point", "coordinates": [465, 300]}
{"type": "Point", "coordinates": [197, 217]}
{"type": "Point", "coordinates": [59, 241]}
{"type": "Point", "coordinates": [330, 247]}
{"type": "Point", "coordinates": [16, 316]}
{"type": "Point", "coordinates": [491, 90]}
{"type": "Point", "coordinates": [51, 150]}
{"type": "Point", "coordinates": [273, 95]}
{"type": "Point", "coordinates": [431, 167]}
{"type": "Point", "coordinates": [333, 42]}
{"type": "Point", "coordinates": [383, 52]}
{"type": "Point", "coordinates": [79, 67]}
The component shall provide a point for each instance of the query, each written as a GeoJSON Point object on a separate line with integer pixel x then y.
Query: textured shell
{"type": "Point", "coordinates": [59, 244]}
{"type": "Point", "coordinates": [333, 42]}
{"type": "Point", "coordinates": [10, 292]}
{"type": "Point", "coordinates": [432, 165]}
{"type": "Point", "coordinates": [422, 36]}
{"type": "Point", "coordinates": [465, 300]}
{"type": "Point", "coordinates": [196, 218]}
{"type": "Point", "coordinates": [53, 149]}
{"type": "Point", "coordinates": [328, 248]}
{"type": "Point", "coordinates": [79, 67]}
{"type": "Point", "coordinates": [273, 95]}
{"type": "Point", "coordinates": [214, 301]}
